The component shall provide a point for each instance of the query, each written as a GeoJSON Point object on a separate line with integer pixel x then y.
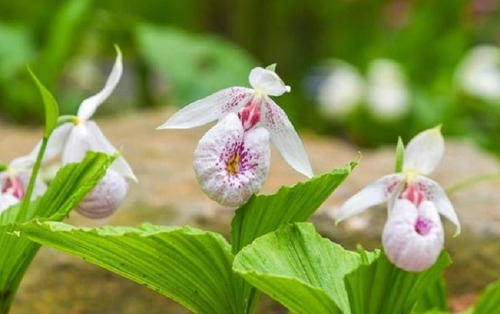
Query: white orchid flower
{"type": "Point", "coordinates": [387, 95]}
{"type": "Point", "coordinates": [413, 224]}
{"type": "Point", "coordinates": [479, 73]}
{"type": "Point", "coordinates": [342, 91]}
{"type": "Point", "coordinates": [14, 182]}
{"type": "Point", "coordinates": [256, 102]}
{"type": "Point", "coordinates": [232, 163]}
{"type": "Point", "coordinates": [74, 140]}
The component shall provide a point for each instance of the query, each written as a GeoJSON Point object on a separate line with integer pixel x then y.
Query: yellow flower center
{"type": "Point", "coordinates": [233, 164]}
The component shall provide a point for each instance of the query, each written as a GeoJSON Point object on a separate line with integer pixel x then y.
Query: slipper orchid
{"type": "Point", "coordinates": [73, 139]}
{"type": "Point", "coordinates": [413, 234]}
{"type": "Point", "coordinates": [231, 162]}
{"type": "Point", "coordinates": [256, 103]}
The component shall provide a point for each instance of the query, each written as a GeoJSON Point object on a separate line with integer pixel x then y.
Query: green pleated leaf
{"type": "Point", "coordinates": [266, 213]}
{"type": "Point", "coordinates": [50, 105]}
{"type": "Point", "coordinates": [300, 269]}
{"type": "Point", "coordinates": [67, 189]}
{"type": "Point", "coordinates": [381, 287]}
{"type": "Point", "coordinates": [191, 266]}
{"type": "Point", "coordinates": [489, 301]}
{"type": "Point", "coordinates": [434, 298]}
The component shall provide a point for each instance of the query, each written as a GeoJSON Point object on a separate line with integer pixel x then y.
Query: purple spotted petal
{"type": "Point", "coordinates": [231, 164]}
{"type": "Point", "coordinates": [284, 137]}
{"type": "Point", "coordinates": [210, 108]}
{"type": "Point", "coordinates": [373, 194]}
{"type": "Point", "coordinates": [413, 237]}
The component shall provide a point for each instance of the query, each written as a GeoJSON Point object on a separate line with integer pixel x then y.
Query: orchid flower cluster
{"type": "Point", "coordinates": [231, 163]}
{"type": "Point", "coordinates": [72, 139]}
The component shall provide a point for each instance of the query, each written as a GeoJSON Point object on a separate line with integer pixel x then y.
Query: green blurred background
{"type": "Point", "coordinates": [180, 50]}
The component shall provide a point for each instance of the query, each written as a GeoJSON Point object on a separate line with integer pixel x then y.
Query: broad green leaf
{"type": "Point", "coordinates": [300, 269]}
{"type": "Point", "coordinates": [191, 266]}
{"type": "Point", "coordinates": [489, 301]}
{"type": "Point", "coordinates": [50, 105]}
{"type": "Point", "coordinates": [197, 66]}
{"type": "Point", "coordinates": [381, 287]}
{"type": "Point", "coordinates": [434, 298]}
{"type": "Point", "coordinates": [266, 213]}
{"type": "Point", "coordinates": [69, 186]}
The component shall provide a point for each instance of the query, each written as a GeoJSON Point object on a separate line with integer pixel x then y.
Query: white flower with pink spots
{"type": "Point", "coordinates": [413, 235]}
{"type": "Point", "coordinates": [232, 159]}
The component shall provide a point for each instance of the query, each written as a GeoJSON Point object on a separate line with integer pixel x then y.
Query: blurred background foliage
{"type": "Point", "coordinates": [180, 50]}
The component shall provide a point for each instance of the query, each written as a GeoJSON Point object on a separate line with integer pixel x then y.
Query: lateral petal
{"type": "Point", "coordinates": [435, 193]}
{"type": "Point", "coordinates": [284, 137]}
{"type": "Point", "coordinates": [89, 105]}
{"type": "Point", "coordinates": [373, 194]}
{"type": "Point", "coordinates": [424, 152]}
{"type": "Point", "coordinates": [99, 143]}
{"type": "Point", "coordinates": [55, 146]}
{"type": "Point", "coordinates": [267, 81]}
{"type": "Point", "coordinates": [210, 108]}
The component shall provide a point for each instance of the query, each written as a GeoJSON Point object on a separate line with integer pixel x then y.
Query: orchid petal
{"type": "Point", "coordinates": [231, 164]}
{"type": "Point", "coordinates": [77, 144]}
{"type": "Point", "coordinates": [423, 153]}
{"type": "Point", "coordinates": [210, 108]}
{"type": "Point", "coordinates": [38, 189]}
{"type": "Point", "coordinates": [7, 200]}
{"type": "Point", "coordinates": [54, 146]}
{"type": "Point", "coordinates": [435, 193]}
{"type": "Point", "coordinates": [103, 200]}
{"type": "Point", "coordinates": [407, 246]}
{"type": "Point", "coordinates": [267, 81]}
{"type": "Point", "coordinates": [99, 143]}
{"type": "Point", "coordinates": [89, 105]}
{"type": "Point", "coordinates": [373, 194]}
{"type": "Point", "coordinates": [285, 138]}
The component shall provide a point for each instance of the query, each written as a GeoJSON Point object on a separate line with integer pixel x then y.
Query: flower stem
{"type": "Point", "coordinates": [471, 181]}
{"type": "Point", "coordinates": [23, 211]}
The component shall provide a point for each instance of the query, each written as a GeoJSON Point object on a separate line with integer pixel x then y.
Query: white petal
{"type": "Point", "coordinates": [7, 200]}
{"type": "Point", "coordinates": [87, 136]}
{"type": "Point", "coordinates": [210, 108]}
{"type": "Point", "coordinates": [103, 200]}
{"type": "Point", "coordinates": [89, 105]}
{"type": "Point", "coordinates": [404, 245]}
{"type": "Point", "coordinates": [423, 153]}
{"type": "Point", "coordinates": [99, 143]}
{"type": "Point", "coordinates": [285, 138]}
{"type": "Point", "coordinates": [214, 152]}
{"type": "Point", "coordinates": [435, 193]}
{"type": "Point", "coordinates": [54, 146]}
{"type": "Point", "coordinates": [373, 194]}
{"type": "Point", "coordinates": [77, 144]}
{"type": "Point", "coordinates": [267, 81]}
{"type": "Point", "coordinates": [38, 189]}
